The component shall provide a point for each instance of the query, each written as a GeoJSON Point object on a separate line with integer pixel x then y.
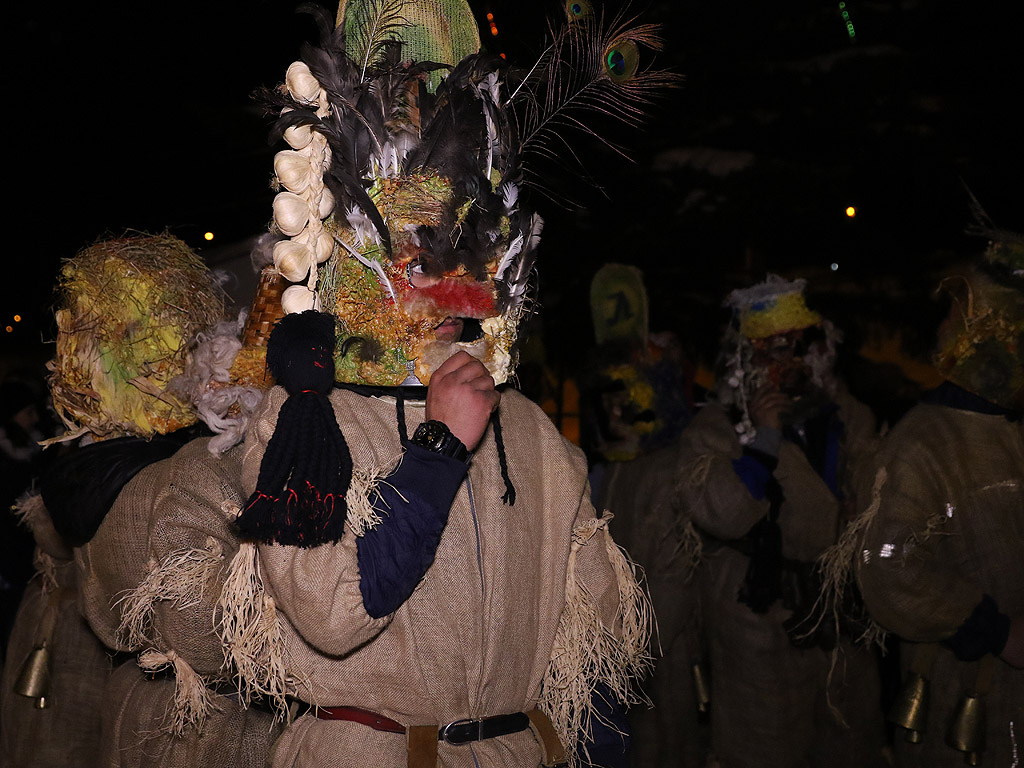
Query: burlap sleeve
{"type": "Point", "coordinates": [317, 589]}
{"type": "Point", "coordinates": [708, 488]}
{"type": "Point", "coordinates": [810, 515]}
{"type": "Point", "coordinates": [193, 514]}
{"type": "Point", "coordinates": [908, 562]}
{"type": "Point", "coordinates": [116, 560]}
{"type": "Point", "coordinates": [861, 443]}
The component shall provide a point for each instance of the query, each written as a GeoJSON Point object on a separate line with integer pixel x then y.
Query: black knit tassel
{"type": "Point", "coordinates": [306, 470]}
{"type": "Point", "coordinates": [510, 490]}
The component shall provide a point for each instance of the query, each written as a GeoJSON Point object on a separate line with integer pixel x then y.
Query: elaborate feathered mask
{"type": "Point", "coordinates": [403, 203]}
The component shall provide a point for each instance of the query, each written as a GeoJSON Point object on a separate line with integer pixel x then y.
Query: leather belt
{"type": "Point", "coordinates": [456, 732]}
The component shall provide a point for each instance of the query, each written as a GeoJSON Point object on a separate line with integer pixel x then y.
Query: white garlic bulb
{"type": "Point", "coordinates": [298, 298]}
{"type": "Point", "coordinates": [298, 136]}
{"type": "Point", "coordinates": [291, 213]}
{"type": "Point", "coordinates": [326, 204]}
{"type": "Point", "coordinates": [293, 170]}
{"type": "Point", "coordinates": [323, 241]}
{"type": "Point", "coordinates": [301, 84]}
{"type": "Point", "coordinates": [293, 260]}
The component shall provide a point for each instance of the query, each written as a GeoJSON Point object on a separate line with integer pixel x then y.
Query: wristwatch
{"type": "Point", "coordinates": [436, 437]}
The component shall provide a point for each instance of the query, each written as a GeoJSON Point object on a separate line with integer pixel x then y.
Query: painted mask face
{"type": "Point", "coordinates": [402, 316]}
{"type": "Point", "coordinates": [787, 361]}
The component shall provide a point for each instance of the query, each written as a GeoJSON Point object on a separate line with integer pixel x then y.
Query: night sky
{"type": "Point", "coordinates": [139, 117]}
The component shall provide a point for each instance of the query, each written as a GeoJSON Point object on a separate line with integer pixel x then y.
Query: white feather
{"type": "Point", "coordinates": [517, 286]}
{"type": "Point", "coordinates": [488, 90]}
{"type": "Point", "coordinates": [361, 223]}
{"type": "Point", "coordinates": [506, 261]}
{"type": "Point", "coordinates": [509, 197]}
{"type": "Point", "coordinates": [373, 265]}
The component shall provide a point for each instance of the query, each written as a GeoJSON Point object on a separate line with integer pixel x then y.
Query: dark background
{"type": "Point", "coordinates": [139, 117]}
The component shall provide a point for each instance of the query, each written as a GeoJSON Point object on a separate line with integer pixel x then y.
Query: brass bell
{"type": "Point", "coordinates": [910, 710]}
{"type": "Point", "coordinates": [701, 688]}
{"type": "Point", "coordinates": [967, 731]}
{"type": "Point", "coordinates": [34, 679]}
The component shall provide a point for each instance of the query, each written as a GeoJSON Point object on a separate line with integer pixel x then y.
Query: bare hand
{"type": "Point", "coordinates": [462, 395]}
{"type": "Point", "coordinates": [767, 405]}
{"type": "Point", "coordinates": [1013, 651]}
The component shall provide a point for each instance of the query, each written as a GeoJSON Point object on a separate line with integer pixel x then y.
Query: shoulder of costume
{"type": "Point", "coordinates": [522, 419]}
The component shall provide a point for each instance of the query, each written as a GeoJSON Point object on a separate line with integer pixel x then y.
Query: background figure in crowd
{"type": "Point", "coordinates": [941, 562]}
{"type": "Point", "coordinates": [765, 473]}
{"type": "Point", "coordinates": [20, 433]}
{"type": "Point", "coordinates": [635, 406]}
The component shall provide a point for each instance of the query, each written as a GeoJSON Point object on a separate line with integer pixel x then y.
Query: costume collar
{"type": "Point", "coordinates": [950, 395]}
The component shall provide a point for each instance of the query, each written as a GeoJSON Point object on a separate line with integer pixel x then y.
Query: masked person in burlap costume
{"type": "Point", "coordinates": [764, 472]}
{"type": "Point", "coordinates": [634, 407]}
{"type": "Point", "coordinates": [442, 591]}
{"type": "Point", "coordinates": [137, 304]}
{"type": "Point", "coordinates": [941, 560]}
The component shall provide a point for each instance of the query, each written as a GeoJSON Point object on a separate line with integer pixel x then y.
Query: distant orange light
{"type": "Point", "coordinates": [851, 211]}
{"type": "Point", "coordinates": [494, 29]}
{"type": "Point", "coordinates": [9, 328]}
{"type": "Point", "coordinates": [502, 55]}
{"type": "Point", "coordinates": [490, 17]}
{"type": "Point", "coordinates": [17, 318]}
{"type": "Point", "coordinates": [208, 236]}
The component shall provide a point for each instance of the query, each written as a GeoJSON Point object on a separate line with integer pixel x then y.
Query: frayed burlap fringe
{"type": "Point", "coordinates": [697, 472]}
{"type": "Point", "coordinates": [587, 652]}
{"type": "Point", "coordinates": [250, 631]}
{"type": "Point", "coordinates": [31, 512]}
{"type": "Point", "coordinates": [836, 567]}
{"type": "Point", "coordinates": [362, 490]}
{"type": "Point", "coordinates": [193, 701]}
{"type": "Point", "coordinates": [690, 547]}
{"type": "Point", "coordinates": [181, 579]}
{"type": "Point", "coordinates": [30, 509]}
{"type": "Point", "coordinates": [46, 567]}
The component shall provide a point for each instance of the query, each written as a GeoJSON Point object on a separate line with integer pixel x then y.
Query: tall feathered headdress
{"type": "Point", "coordinates": [403, 198]}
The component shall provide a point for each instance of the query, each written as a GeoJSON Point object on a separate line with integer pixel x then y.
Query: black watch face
{"type": "Point", "coordinates": [432, 435]}
{"type": "Point", "coordinates": [435, 436]}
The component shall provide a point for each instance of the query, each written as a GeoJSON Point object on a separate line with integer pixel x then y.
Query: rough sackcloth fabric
{"type": "Point", "coordinates": [150, 581]}
{"type": "Point", "coordinates": [476, 636]}
{"type": "Point", "coordinates": [67, 731]}
{"type": "Point", "coordinates": [134, 735]}
{"type": "Point", "coordinates": [770, 699]}
{"type": "Point", "coordinates": [649, 526]}
{"type": "Point", "coordinates": [949, 529]}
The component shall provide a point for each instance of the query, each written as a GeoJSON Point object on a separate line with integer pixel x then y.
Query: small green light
{"type": "Point", "coordinates": [846, 15]}
{"type": "Point", "coordinates": [842, 5]}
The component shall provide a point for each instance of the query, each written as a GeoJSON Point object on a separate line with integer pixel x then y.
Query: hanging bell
{"type": "Point", "coordinates": [701, 688]}
{"type": "Point", "coordinates": [910, 710]}
{"type": "Point", "coordinates": [34, 679]}
{"type": "Point", "coordinates": [967, 731]}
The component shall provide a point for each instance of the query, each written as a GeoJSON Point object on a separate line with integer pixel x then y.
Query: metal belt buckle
{"type": "Point", "coordinates": [461, 731]}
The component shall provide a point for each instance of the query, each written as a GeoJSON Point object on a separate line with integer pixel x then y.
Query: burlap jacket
{"type": "Point", "coordinates": [949, 527]}
{"type": "Point", "coordinates": [719, 503]}
{"type": "Point", "coordinates": [476, 637]}
{"type": "Point", "coordinates": [651, 526]}
{"type": "Point", "coordinates": [149, 583]}
{"type": "Point", "coordinates": [768, 704]}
